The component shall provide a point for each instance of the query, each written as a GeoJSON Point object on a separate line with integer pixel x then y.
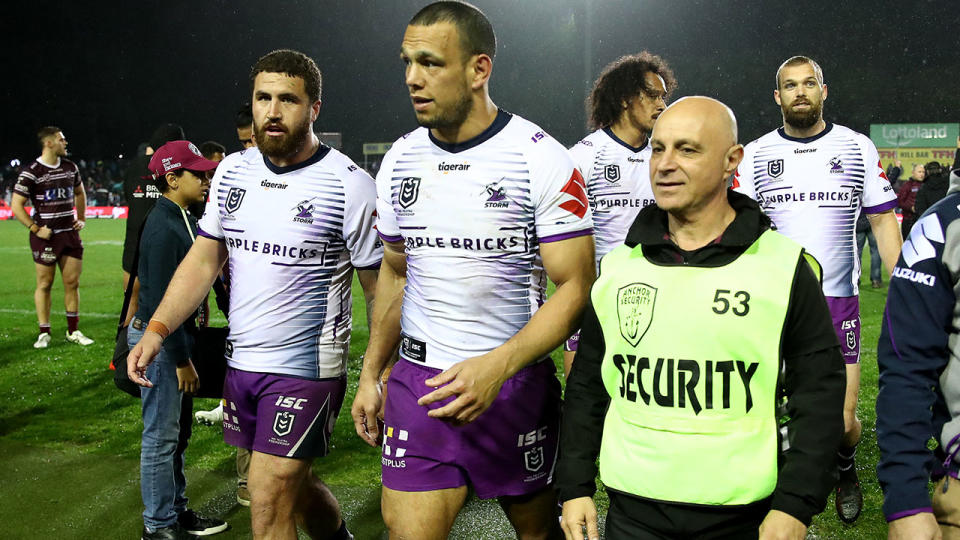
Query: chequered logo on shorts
{"type": "Point", "coordinates": [401, 435]}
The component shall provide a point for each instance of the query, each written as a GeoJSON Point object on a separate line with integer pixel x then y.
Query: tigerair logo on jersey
{"type": "Point", "coordinates": [452, 167]}
{"type": "Point", "coordinates": [393, 453]}
{"type": "Point", "coordinates": [681, 384]}
{"type": "Point", "coordinates": [268, 185]}
{"type": "Point", "coordinates": [635, 303]}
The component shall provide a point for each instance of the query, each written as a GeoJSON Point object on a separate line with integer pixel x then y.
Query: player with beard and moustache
{"type": "Point", "coordinates": [54, 187]}
{"type": "Point", "coordinates": [813, 178]}
{"type": "Point", "coordinates": [627, 98]}
{"type": "Point", "coordinates": [476, 208]}
{"type": "Point", "coordinates": [295, 218]}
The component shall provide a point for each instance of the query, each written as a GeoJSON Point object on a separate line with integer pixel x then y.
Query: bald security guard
{"type": "Point", "coordinates": [704, 330]}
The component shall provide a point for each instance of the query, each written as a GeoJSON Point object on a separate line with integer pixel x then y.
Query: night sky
{"type": "Point", "coordinates": [108, 73]}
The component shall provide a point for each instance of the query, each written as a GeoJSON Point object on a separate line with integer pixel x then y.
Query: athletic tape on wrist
{"type": "Point", "coordinates": [158, 327]}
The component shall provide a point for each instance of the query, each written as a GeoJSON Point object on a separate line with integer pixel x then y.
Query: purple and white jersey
{"type": "Point", "coordinates": [294, 235]}
{"type": "Point", "coordinates": [473, 216]}
{"type": "Point", "coordinates": [50, 189]}
{"type": "Point", "coordinates": [814, 189]}
{"type": "Point", "coordinates": [618, 183]}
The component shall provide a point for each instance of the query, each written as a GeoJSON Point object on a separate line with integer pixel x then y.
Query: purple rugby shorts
{"type": "Point", "coordinates": [509, 450]}
{"type": "Point", "coordinates": [845, 311]}
{"type": "Point", "coordinates": [280, 415]}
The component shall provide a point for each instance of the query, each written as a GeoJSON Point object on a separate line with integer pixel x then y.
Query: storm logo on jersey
{"type": "Point", "coordinates": [409, 191]}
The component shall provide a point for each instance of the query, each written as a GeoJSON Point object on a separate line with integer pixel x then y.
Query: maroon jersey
{"type": "Point", "coordinates": [50, 189]}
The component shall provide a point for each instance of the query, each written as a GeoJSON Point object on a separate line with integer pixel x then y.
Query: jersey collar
{"type": "Point", "coordinates": [321, 153]}
{"type": "Point", "coordinates": [619, 141]}
{"type": "Point", "coordinates": [805, 140]}
{"type": "Point", "coordinates": [500, 122]}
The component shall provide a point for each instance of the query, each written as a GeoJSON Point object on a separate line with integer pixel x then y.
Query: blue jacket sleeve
{"type": "Point", "coordinates": [912, 353]}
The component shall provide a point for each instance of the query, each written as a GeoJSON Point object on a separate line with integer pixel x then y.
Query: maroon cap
{"type": "Point", "coordinates": [176, 155]}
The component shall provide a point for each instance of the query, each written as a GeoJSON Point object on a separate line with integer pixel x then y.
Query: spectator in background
{"type": "Point", "coordinates": [865, 235]}
{"type": "Point", "coordinates": [141, 194]}
{"type": "Point", "coordinates": [245, 126]}
{"type": "Point", "coordinates": [935, 187]}
{"type": "Point", "coordinates": [907, 195]}
{"type": "Point", "coordinates": [213, 151]}
{"type": "Point", "coordinates": [893, 174]}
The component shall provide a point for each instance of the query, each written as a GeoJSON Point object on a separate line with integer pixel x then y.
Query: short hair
{"type": "Point", "coordinates": [166, 133]}
{"type": "Point", "coordinates": [47, 131]}
{"type": "Point", "coordinates": [622, 80]}
{"type": "Point", "coordinates": [244, 116]}
{"type": "Point", "coordinates": [796, 61]}
{"type": "Point", "coordinates": [210, 148]}
{"type": "Point", "coordinates": [294, 64]}
{"type": "Point", "coordinates": [933, 168]}
{"type": "Point", "coordinates": [476, 32]}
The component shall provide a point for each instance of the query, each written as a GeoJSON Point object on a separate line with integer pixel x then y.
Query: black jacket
{"type": "Point", "coordinates": [814, 380]}
{"type": "Point", "coordinates": [165, 242]}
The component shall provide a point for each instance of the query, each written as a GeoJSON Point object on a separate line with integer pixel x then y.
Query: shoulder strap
{"type": "Point", "coordinates": [133, 274]}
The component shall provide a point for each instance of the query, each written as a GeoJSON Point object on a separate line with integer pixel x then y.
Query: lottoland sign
{"type": "Point", "coordinates": [914, 135]}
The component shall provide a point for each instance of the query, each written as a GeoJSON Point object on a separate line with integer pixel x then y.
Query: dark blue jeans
{"type": "Point", "coordinates": [875, 262]}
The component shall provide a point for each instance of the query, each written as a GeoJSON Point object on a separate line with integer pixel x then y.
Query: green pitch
{"type": "Point", "coordinates": [71, 442]}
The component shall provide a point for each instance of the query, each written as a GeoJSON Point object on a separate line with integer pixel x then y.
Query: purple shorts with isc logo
{"type": "Point", "coordinates": [509, 450]}
{"type": "Point", "coordinates": [845, 311]}
{"type": "Point", "coordinates": [280, 415]}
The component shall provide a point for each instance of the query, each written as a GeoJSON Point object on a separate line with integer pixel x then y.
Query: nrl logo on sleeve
{"type": "Point", "coordinates": [409, 191]}
{"type": "Point", "coordinates": [283, 423]}
{"type": "Point", "coordinates": [775, 168]}
{"type": "Point", "coordinates": [611, 173]}
{"type": "Point", "coordinates": [234, 199]}
{"type": "Point", "coordinates": [635, 310]}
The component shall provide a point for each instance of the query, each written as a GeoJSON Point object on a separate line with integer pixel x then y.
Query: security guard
{"type": "Point", "coordinates": [704, 331]}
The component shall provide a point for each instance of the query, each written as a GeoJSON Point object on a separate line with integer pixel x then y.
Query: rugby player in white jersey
{"type": "Point", "coordinates": [627, 98]}
{"type": "Point", "coordinates": [296, 218]}
{"type": "Point", "coordinates": [477, 208]}
{"type": "Point", "coordinates": [813, 178]}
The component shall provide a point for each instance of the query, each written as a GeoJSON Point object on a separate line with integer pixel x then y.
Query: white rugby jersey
{"type": "Point", "coordinates": [814, 189]}
{"type": "Point", "coordinates": [294, 235]}
{"type": "Point", "coordinates": [618, 184]}
{"type": "Point", "coordinates": [472, 216]}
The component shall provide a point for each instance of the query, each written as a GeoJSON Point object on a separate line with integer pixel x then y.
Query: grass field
{"type": "Point", "coordinates": [70, 440]}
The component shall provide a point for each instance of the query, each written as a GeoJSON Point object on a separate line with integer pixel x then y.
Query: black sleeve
{"type": "Point", "coordinates": [893, 174]}
{"type": "Point", "coordinates": [584, 408]}
{"type": "Point", "coordinates": [814, 384]}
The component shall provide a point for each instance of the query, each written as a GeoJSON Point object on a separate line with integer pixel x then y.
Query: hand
{"type": "Point", "coordinates": [44, 232]}
{"type": "Point", "coordinates": [782, 526]}
{"type": "Point", "coordinates": [140, 357]}
{"type": "Point", "coordinates": [187, 379]}
{"type": "Point", "coordinates": [922, 526]}
{"type": "Point", "coordinates": [577, 514]}
{"type": "Point", "coordinates": [367, 405]}
{"type": "Point", "coordinates": [475, 381]}
{"type": "Point", "coordinates": [79, 224]}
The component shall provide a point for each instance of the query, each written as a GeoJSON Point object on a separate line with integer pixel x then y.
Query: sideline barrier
{"type": "Point", "coordinates": [109, 212]}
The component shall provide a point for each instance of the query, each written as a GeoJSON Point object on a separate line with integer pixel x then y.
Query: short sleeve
{"type": "Point", "coordinates": [583, 155]}
{"type": "Point", "coordinates": [878, 194]}
{"type": "Point", "coordinates": [387, 226]}
{"type": "Point", "coordinates": [359, 221]}
{"type": "Point", "coordinates": [77, 177]}
{"type": "Point", "coordinates": [743, 177]}
{"type": "Point", "coordinates": [559, 192]}
{"type": "Point", "coordinates": [209, 225]}
{"type": "Point", "coordinates": [25, 183]}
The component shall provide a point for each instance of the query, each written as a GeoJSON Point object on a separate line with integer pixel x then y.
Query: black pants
{"type": "Point", "coordinates": [631, 518]}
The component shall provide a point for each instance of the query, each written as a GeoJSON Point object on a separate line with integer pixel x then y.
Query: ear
{"type": "Point", "coordinates": [776, 96]}
{"type": "Point", "coordinates": [172, 180]}
{"type": "Point", "coordinates": [732, 160]}
{"type": "Point", "coordinates": [314, 111]}
{"type": "Point", "coordinates": [824, 98]}
{"type": "Point", "coordinates": [481, 66]}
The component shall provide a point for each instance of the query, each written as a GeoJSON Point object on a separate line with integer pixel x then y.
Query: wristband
{"type": "Point", "coordinates": [158, 327]}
